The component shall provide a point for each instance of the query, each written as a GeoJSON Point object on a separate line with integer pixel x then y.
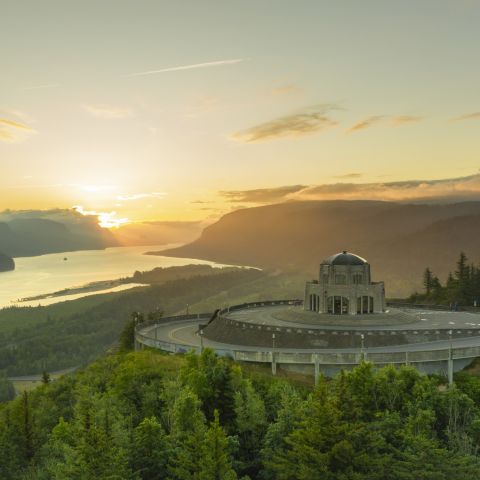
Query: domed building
{"type": "Point", "coordinates": [344, 287]}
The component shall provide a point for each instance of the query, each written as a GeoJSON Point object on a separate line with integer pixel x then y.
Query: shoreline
{"type": "Point", "coordinates": [87, 288]}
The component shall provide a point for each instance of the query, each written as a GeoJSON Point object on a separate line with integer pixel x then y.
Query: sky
{"type": "Point", "coordinates": [185, 110]}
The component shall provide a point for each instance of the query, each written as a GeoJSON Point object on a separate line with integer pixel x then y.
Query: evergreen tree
{"type": "Point", "coordinates": [150, 450]}
{"type": "Point", "coordinates": [216, 459]}
{"type": "Point", "coordinates": [428, 281]}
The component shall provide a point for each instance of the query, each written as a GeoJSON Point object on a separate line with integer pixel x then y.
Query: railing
{"type": "Point", "coordinates": [143, 336]}
{"type": "Point", "coordinates": [443, 308]}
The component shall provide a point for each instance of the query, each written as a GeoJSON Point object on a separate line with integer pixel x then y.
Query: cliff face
{"type": "Point", "coordinates": [6, 263]}
{"type": "Point", "coordinates": [399, 240]}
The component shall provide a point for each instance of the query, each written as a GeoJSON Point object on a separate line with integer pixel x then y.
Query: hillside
{"type": "Point", "coordinates": [149, 416]}
{"type": "Point", "coordinates": [6, 263]}
{"type": "Point", "coordinates": [399, 240]}
{"type": "Point", "coordinates": [28, 233]}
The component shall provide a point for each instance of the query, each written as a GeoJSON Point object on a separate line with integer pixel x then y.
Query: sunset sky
{"type": "Point", "coordinates": [183, 110]}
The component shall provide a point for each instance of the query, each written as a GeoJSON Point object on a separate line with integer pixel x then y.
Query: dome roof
{"type": "Point", "coordinates": [344, 258]}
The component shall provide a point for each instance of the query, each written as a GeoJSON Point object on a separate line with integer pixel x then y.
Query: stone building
{"type": "Point", "coordinates": [344, 287]}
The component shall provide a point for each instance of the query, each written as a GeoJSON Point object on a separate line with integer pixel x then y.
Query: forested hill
{"type": "Point", "coordinates": [397, 239]}
{"type": "Point", "coordinates": [148, 416]}
{"type": "Point", "coordinates": [28, 233]}
{"type": "Point", "coordinates": [6, 263]}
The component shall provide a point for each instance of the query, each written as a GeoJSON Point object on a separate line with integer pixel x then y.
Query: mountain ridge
{"type": "Point", "coordinates": [399, 240]}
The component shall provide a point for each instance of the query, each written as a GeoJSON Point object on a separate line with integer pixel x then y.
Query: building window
{"type": "Point", "coordinates": [365, 305]}
{"type": "Point", "coordinates": [357, 278]}
{"type": "Point", "coordinates": [314, 303]}
{"type": "Point", "coordinates": [337, 305]}
{"type": "Point", "coordinates": [340, 279]}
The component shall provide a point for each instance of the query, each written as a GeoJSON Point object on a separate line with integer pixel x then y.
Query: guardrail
{"type": "Point", "coordinates": [145, 335]}
{"type": "Point", "coordinates": [442, 308]}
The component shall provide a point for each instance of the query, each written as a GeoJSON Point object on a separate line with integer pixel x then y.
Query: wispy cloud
{"type": "Point", "coordinates": [311, 120]}
{"type": "Point", "coordinates": [346, 176]}
{"type": "Point", "coordinates": [139, 196]}
{"type": "Point", "coordinates": [467, 116]}
{"type": "Point", "coordinates": [459, 188]}
{"type": "Point", "coordinates": [261, 195]}
{"type": "Point", "coordinates": [193, 66]}
{"type": "Point", "coordinates": [366, 123]}
{"type": "Point", "coordinates": [14, 131]}
{"type": "Point", "coordinates": [108, 111]}
{"type": "Point", "coordinates": [393, 121]}
{"type": "Point", "coordinates": [405, 119]}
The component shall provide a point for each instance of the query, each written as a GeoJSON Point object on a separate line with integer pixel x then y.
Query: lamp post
{"type": "Point", "coordinates": [274, 365]}
{"type": "Point", "coordinates": [362, 349]}
{"type": "Point", "coordinates": [201, 340]}
{"type": "Point", "coordinates": [450, 358]}
{"type": "Point", "coordinates": [188, 306]}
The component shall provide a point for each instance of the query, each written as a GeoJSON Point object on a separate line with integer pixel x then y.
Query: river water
{"type": "Point", "coordinates": [50, 273]}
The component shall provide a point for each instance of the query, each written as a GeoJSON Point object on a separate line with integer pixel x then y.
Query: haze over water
{"type": "Point", "coordinates": [50, 273]}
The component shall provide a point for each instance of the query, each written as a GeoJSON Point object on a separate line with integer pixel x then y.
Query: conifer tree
{"type": "Point", "coordinates": [216, 460]}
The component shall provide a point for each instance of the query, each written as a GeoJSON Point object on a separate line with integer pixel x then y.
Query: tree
{"type": "Point", "coordinates": [216, 457]}
{"type": "Point", "coordinates": [7, 390]}
{"type": "Point", "coordinates": [127, 335]}
{"type": "Point", "coordinates": [45, 378]}
{"type": "Point", "coordinates": [427, 281]}
{"type": "Point", "coordinates": [150, 450]}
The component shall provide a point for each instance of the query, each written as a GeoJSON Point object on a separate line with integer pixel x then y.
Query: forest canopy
{"type": "Point", "coordinates": [148, 415]}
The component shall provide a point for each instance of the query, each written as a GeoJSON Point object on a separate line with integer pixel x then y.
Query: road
{"type": "Point", "coordinates": [186, 333]}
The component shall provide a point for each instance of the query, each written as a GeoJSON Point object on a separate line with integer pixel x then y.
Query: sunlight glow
{"type": "Point", "coordinates": [105, 219]}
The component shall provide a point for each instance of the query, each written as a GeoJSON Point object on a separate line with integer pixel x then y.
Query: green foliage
{"type": "Point", "coordinates": [146, 415]}
{"type": "Point", "coordinates": [461, 288]}
{"type": "Point", "coordinates": [7, 390]}
{"type": "Point", "coordinates": [74, 333]}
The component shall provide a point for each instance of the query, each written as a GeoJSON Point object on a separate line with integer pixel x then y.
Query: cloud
{"type": "Point", "coordinates": [468, 116]}
{"type": "Point", "coordinates": [312, 120]}
{"type": "Point", "coordinates": [394, 121]}
{"type": "Point", "coordinates": [138, 196]}
{"type": "Point", "coordinates": [193, 66]}
{"type": "Point", "coordinates": [108, 111]}
{"type": "Point", "coordinates": [105, 219]}
{"type": "Point", "coordinates": [346, 176]}
{"type": "Point", "coordinates": [261, 195]}
{"type": "Point", "coordinates": [404, 119]}
{"type": "Point", "coordinates": [460, 188]}
{"type": "Point", "coordinates": [14, 131]}
{"type": "Point", "coordinates": [366, 123]}
{"type": "Point", "coordinates": [454, 188]}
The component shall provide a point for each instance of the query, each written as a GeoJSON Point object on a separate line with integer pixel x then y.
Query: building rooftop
{"type": "Point", "coordinates": [344, 258]}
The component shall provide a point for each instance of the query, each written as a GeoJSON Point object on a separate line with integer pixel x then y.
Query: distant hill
{"type": "Point", "coordinates": [28, 233]}
{"type": "Point", "coordinates": [6, 263]}
{"type": "Point", "coordinates": [158, 232]}
{"type": "Point", "coordinates": [399, 240]}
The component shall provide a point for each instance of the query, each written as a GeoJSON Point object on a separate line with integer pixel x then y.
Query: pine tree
{"type": "Point", "coordinates": [150, 450]}
{"type": "Point", "coordinates": [427, 281]}
{"type": "Point", "coordinates": [216, 460]}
